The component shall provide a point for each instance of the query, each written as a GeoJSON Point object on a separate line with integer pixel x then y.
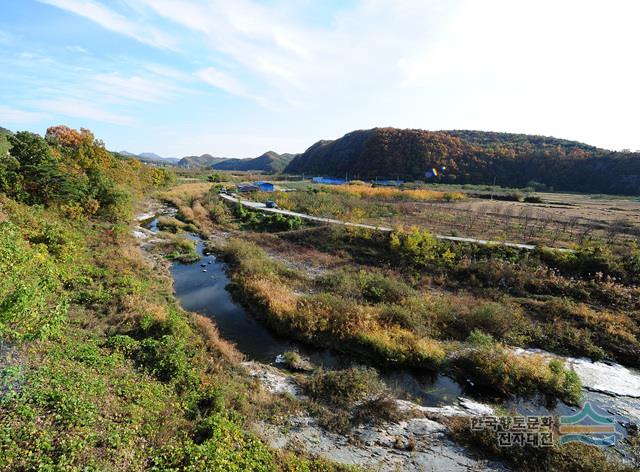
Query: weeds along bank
{"type": "Point", "coordinates": [99, 367]}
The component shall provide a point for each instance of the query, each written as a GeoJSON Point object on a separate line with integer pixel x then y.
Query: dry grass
{"type": "Point", "coordinates": [135, 307]}
{"type": "Point", "coordinates": [386, 193]}
{"type": "Point", "coordinates": [277, 298]}
{"type": "Point", "coordinates": [214, 342]}
{"type": "Point", "coordinates": [186, 192]}
{"type": "Point", "coordinates": [400, 346]}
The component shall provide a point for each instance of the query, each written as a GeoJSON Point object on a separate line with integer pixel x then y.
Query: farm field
{"type": "Point", "coordinates": [541, 218]}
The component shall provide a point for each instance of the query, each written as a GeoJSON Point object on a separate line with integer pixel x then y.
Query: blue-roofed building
{"type": "Point", "coordinates": [266, 186]}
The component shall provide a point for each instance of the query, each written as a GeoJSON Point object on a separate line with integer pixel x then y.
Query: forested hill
{"type": "Point", "coordinates": [270, 162]}
{"type": "Point", "coordinates": [475, 157]}
{"type": "Point", "coordinates": [204, 160]}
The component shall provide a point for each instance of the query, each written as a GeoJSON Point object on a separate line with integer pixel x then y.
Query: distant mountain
{"type": "Point", "coordinates": [205, 160]}
{"type": "Point", "coordinates": [127, 154]}
{"type": "Point", "coordinates": [473, 157]}
{"type": "Point", "coordinates": [151, 157]}
{"type": "Point", "coordinates": [269, 162]}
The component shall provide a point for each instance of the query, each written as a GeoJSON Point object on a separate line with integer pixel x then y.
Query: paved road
{"type": "Point", "coordinates": [262, 207]}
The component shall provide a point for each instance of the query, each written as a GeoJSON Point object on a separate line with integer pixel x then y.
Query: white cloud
{"type": "Point", "coordinates": [81, 109]}
{"type": "Point", "coordinates": [132, 88]}
{"type": "Point", "coordinates": [167, 72]}
{"type": "Point", "coordinates": [114, 21]}
{"type": "Point", "coordinates": [78, 49]}
{"type": "Point", "coordinates": [10, 115]}
{"type": "Point", "coordinates": [224, 81]}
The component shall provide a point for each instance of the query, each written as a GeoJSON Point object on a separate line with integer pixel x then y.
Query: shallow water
{"type": "Point", "coordinates": [202, 287]}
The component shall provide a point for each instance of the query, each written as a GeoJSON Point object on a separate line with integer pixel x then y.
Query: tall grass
{"type": "Point", "coordinates": [395, 194]}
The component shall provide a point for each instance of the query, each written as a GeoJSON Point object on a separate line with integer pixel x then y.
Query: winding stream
{"type": "Point", "coordinates": [202, 287]}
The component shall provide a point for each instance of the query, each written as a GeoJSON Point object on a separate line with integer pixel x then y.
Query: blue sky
{"type": "Point", "coordinates": [238, 77]}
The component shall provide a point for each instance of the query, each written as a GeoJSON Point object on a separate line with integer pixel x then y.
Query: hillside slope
{"type": "Point", "coordinates": [474, 157]}
{"type": "Point", "coordinates": [270, 162]}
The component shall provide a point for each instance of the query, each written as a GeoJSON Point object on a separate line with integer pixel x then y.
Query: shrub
{"type": "Point", "coordinates": [372, 287]}
{"type": "Point", "coordinates": [326, 313]}
{"type": "Point", "coordinates": [497, 319]}
{"type": "Point", "coordinates": [345, 387]}
{"type": "Point", "coordinates": [168, 360]}
{"type": "Point", "coordinates": [587, 261]}
{"type": "Point", "coordinates": [226, 447]}
{"type": "Point", "coordinates": [33, 303]}
{"type": "Point", "coordinates": [295, 361]}
{"type": "Point", "coordinates": [496, 368]}
{"type": "Point", "coordinates": [421, 248]}
{"type": "Point", "coordinates": [479, 338]}
{"type": "Point", "coordinates": [381, 409]}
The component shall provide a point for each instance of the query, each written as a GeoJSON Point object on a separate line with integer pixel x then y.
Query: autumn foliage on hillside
{"type": "Point", "coordinates": [473, 157]}
{"type": "Point", "coordinates": [72, 170]}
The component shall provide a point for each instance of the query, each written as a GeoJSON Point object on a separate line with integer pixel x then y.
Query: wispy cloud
{"type": "Point", "coordinates": [300, 65]}
{"type": "Point", "coordinates": [78, 49]}
{"type": "Point", "coordinates": [114, 21]}
{"type": "Point", "coordinates": [10, 115]}
{"type": "Point", "coordinates": [71, 107]}
{"type": "Point", "coordinates": [133, 88]}
{"type": "Point", "coordinates": [221, 80]}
